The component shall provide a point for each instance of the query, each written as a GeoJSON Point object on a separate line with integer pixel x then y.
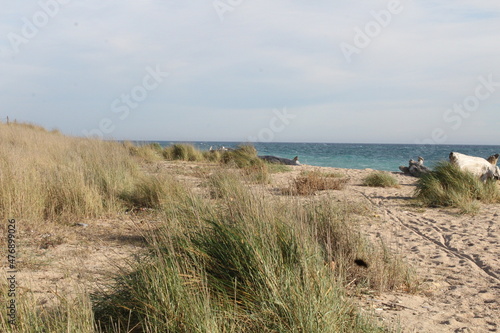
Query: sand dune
{"type": "Point", "coordinates": [456, 256]}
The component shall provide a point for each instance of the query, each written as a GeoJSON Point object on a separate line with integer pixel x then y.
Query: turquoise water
{"type": "Point", "coordinates": [357, 156]}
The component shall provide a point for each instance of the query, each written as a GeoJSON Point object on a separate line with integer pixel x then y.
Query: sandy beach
{"type": "Point", "coordinates": [234, 166]}
{"type": "Point", "coordinates": [455, 256]}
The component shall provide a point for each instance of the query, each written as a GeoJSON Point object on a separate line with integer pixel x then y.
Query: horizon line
{"type": "Point", "coordinates": [306, 142]}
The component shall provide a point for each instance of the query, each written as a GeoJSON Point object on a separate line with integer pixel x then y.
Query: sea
{"type": "Point", "coordinates": [386, 157]}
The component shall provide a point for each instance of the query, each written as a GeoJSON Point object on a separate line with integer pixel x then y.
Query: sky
{"type": "Point", "coordinates": [270, 71]}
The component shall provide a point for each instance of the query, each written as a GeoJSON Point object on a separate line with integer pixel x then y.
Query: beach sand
{"type": "Point", "coordinates": [457, 257]}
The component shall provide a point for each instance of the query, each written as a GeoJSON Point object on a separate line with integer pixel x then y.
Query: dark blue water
{"type": "Point", "coordinates": [357, 156]}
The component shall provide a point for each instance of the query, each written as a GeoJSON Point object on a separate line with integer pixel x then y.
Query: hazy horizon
{"type": "Point", "coordinates": [389, 72]}
{"type": "Point", "coordinates": [306, 142]}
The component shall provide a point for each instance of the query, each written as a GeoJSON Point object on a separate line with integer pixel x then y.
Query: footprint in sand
{"type": "Point", "coordinates": [492, 327]}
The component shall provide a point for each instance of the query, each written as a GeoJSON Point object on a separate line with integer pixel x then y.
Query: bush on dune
{"type": "Point", "coordinates": [147, 153]}
{"type": "Point", "coordinates": [182, 152]}
{"type": "Point", "coordinates": [150, 192]}
{"type": "Point", "coordinates": [308, 183]}
{"type": "Point", "coordinates": [213, 156]}
{"type": "Point", "coordinates": [241, 157]}
{"type": "Point", "coordinates": [447, 185]}
{"type": "Point", "coordinates": [278, 168]}
{"type": "Point", "coordinates": [244, 158]}
{"type": "Point", "coordinates": [355, 259]}
{"type": "Point", "coordinates": [244, 264]}
{"type": "Point", "coordinates": [73, 314]}
{"type": "Point", "coordinates": [380, 179]}
{"type": "Point", "coordinates": [48, 176]}
{"type": "Point", "coordinates": [232, 262]}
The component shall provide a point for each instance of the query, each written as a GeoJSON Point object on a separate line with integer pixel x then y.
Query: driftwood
{"type": "Point", "coordinates": [478, 166]}
{"type": "Point", "coordinates": [415, 168]}
{"type": "Point", "coordinates": [280, 160]}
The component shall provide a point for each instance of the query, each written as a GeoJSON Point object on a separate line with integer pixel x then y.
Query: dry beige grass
{"type": "Point", "coordinates": [380, 179]}
{"type": "Point", "coordinates": [67, 179]}
{"type": "Point", "coordinates": [51, 177]}
{"type": "Point", "coordinates": [308, 183]}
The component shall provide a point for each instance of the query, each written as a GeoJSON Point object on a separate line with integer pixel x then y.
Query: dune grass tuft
{"type": "Point", "coordinates": [51, 177]}
{"type": "Point", "coordinates": [242, 157]}
{"type": "Point", "coordinates": [244, 264]}
{"type": "Point", "coordinates": [182, 152]}
{"type": "Point", "coordinates": [150, 192]}
{"type": "Point", "coordinates": [146, 153]}
{"type": "Point", "coordinates": [380, 179]}
{"type": "Point", "coordinates": [231, 262]}
{"type": "Point", "coordinates": [308, 183]}
{"type": "Point", "coordinates": [72, 314]}
{"type": "Point", "coordinates": [213, 156]}
{"type": "Point", "coordinates": [245, 158]}
{"type": "Point", "coordinates": [447, 185]}
{"type": "Point", "coordinates": [278, 168]}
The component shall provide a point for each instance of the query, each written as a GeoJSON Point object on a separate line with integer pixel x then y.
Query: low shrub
{"type": "Point", "coordinates": [355, 260]}
{"type": "Point", "coordinates": [72, 313]}
{"type": "Point", "coordinates": [48, 176]}
{"type": "Point", "coordinates": [250, 265]}
{"type": "Point", "coordinates": [308, 183]}
{"type": "Point", "coordinates": [447, 185]}
{"type": "Point", "coordinates": [213, 156]}
{"type": "Point", "coordinates": [278, 168]}
{"type": "Point", "coordinates": [150, 191]}
{"type": "Point", "coordinates": [241, 157]}
{"type": "Point", "coordinates": [146, 153]}
{"type": "Point", "coordinates": [183, 152]}
{"type": "Point", "coordinates": [380, 179]}
{"type": "Point", "coordinates": [225, 184]}
{"type": "Point", "coordinates": [245, 158]}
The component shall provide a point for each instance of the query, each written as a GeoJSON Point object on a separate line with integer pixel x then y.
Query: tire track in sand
{"type": "Point", "coordinates": [445, 245]}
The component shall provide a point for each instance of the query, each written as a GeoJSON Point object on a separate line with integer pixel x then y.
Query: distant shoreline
{"type": "Point", "coordinates": [384, 157]}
